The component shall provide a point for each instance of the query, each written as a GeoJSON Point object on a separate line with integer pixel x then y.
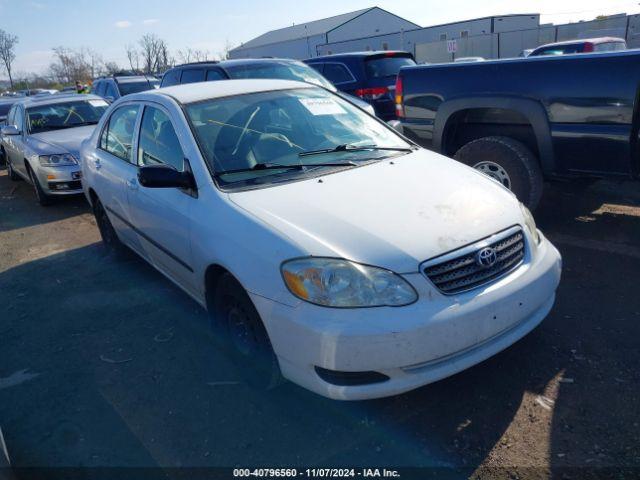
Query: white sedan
{"type": "Point", "coordinates": [327, 249]}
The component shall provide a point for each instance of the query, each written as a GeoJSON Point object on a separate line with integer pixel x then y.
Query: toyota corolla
{"type": "Point", "coordinates": [327, 249]}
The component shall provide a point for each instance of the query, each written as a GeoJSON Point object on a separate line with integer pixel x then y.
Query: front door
{"type": "Point", "coordinates": [162, 215]}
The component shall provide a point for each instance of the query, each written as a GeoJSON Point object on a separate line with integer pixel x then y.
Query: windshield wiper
{"type": "Point", "coordinates": [295, 166]}
{"type": "Point", "coordinates": [353, 148]}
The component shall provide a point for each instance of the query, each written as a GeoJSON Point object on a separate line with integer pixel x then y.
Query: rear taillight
{"type": "Point", "coordinates": [399, 107]}
{"type": "Point", "coordinates": [372, 93]}
{"type": "Point", "coordinates": [588, 47]}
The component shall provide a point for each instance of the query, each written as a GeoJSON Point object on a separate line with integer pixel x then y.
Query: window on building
{"type": "Point", "coordinates": [385, 46]}
{"type": "Point", "coordinates": [464, 34]}
{"type": "Point", "coordinates": [443, 37]}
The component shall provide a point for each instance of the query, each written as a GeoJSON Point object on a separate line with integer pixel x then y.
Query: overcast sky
{"type": "Point", "coordinates": [107, 26]}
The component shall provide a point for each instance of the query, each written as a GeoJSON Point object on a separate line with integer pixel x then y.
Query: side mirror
{"type": "Point", "coordinates": [165, 176]}
{"type": "Point", "coordinates": [10, 130]}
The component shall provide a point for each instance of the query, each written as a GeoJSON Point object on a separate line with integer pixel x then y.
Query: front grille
{"type": "Point", "coordinates": [460, 270]}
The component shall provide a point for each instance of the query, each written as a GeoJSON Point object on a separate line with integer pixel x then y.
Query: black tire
{"type": "Point", "coordinates": [43, 199]}
{"type": "Point", "coordinates": [236, 320]}
{"type": "Point", "coordinates": [108, 234]}
{"type": "Point", "coordinates": [497, 156]}
{"type": "Point", "coordinates": [11, 173]}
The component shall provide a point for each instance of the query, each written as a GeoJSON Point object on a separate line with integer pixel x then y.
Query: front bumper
{"type": "Point", "coordinates": [434, 338]}
{"type": "Point", "coordinates": [60, 180]}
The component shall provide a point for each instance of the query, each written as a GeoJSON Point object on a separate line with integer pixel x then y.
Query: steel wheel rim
{"type": "Point", "coordinates": [495, 171]}
{"type": "Point", "coordinates": [240, 332]}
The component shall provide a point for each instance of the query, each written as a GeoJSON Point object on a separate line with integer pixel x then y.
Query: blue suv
{"type": "Point", "coordinates": [370, 76]}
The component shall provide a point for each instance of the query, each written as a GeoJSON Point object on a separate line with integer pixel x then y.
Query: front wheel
{"type": "Point", "coordinates": [246, 339]}
{"type": "Point", "coordinates": [509, 162]}
{"type": "Point", "coordinates": [43, 199]}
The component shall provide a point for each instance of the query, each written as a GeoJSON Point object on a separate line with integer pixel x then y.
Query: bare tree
{"type": "Point", "coordinates": [224, 54]}
{"type": "Point", "coordinates": [133, 57]}
{"type": "Point", "coordinates": [110, 68]}
{"type": "Point", "coordinates": [94, 61]}
{"type": "Point", "coordinates": [154, 53]}
{"type": "Point", "coordinates": [7, 52]}
{"type": "Point", "coordinates": [70, 66]}
{"type": "Point", "coordinates": [189, 55]}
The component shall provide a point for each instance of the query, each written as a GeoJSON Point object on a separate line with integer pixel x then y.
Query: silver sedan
{"type": "Point", "coordinates": [41, 141]}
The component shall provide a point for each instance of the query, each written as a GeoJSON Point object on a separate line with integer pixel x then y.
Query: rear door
{"type": "Point", "coordinates": [113, 165]}
{"type": "Point", "coordinates": [17, 143]}
{"type": "Point", "coordinates": [162, 215]}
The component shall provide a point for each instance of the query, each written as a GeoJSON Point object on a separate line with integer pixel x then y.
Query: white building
{"type": "Point", "coordinates": [302, 41]}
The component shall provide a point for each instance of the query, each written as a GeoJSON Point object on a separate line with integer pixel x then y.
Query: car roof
{"type": "Point", "coordinates": [196, 92]}
{"type": "Point", "coordinates": [56, 98]}
{"type": "Point", "coordinates": [237, 61]}
{"type": "Point", "coordinates": [582, 40]}
{"type": "Point", "coordinates": [368, 53]}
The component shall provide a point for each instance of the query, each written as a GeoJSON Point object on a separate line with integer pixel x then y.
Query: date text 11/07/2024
{"type": "Point", "coordinates": [316, 473]}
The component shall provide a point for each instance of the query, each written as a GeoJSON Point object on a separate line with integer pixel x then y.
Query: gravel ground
{"type": "Point", "coordinates": [105, 363]}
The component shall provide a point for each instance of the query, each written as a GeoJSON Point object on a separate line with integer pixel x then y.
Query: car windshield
{"type": "Point", "coordinates": [280, 70]}
{"type": "Point", "coordinates": [64, 115]}
{"type": "Point", "coordinates": [127, 88]}
{"type": "Point", "coordinates": [245, 136]}
{"type": "Point", "coordinates": [386, 66]}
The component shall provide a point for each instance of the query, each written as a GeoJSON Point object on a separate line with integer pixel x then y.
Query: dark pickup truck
{"type": "Point", "coordinates": [524, 120]}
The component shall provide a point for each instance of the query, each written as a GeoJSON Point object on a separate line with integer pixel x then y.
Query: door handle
{"type": "Point", "coordinates": [132, 184]}
{"type": "Point", "coordinates": [97, 164]}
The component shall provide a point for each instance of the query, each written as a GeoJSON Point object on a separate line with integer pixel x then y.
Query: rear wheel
{"type": "Point", "coordinates": [11, 173]}
{"type": "Point", "coordinates": [107, 232]}
{"type": "Point", "coordinates": [509, 162]}
{"type": "Point", "coordinates": [43, 199]}
{"type": "Point", "coordinates": [237, 320]}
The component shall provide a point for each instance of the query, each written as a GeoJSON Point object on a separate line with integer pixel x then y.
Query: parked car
{"type": "Point", "coordinates": [469, 59]}
{"type": "Point", "coordinates": [41, 141]}
{"type": "Point", "coordinates": [523, 120]}
{"type": "Point", "coordinates": [591, 45]}
{"type": "Point", "coordinates": [370, 76]}
{"type": "Point", "coordinates": [112, 88]}
{"type": "Point", "coordinates": [274, 68]}
{"type": "Point", "coordinates": [326, 247]}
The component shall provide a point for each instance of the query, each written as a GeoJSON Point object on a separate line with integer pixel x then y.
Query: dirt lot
{"type": "Point", "coordinates": [105, 363]}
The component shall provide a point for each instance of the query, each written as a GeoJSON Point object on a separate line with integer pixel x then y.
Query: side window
{"type": "Point", "coordinates": [100, 89]}
{"type": "Point", "coordinates": [172, 77]}
{"type": "Point", "coordinates": [213, 75]}
{"type": "Point", "coordinates": [317, 66]}
{"type": "Point", "coordinates": [117, 137]}
{"type": "Point", "coordinates": [337, 73]}
{"type": "Point", "coordinates": [158, 141]}
{"type": "Point", "coordinates": [18, 119]}
{"type": "Point", "coordinates": [193, 75]}
{"type": "Point", "coordinates": [11, 115]}
{"type": "Point", "coordinates": [110, 90]}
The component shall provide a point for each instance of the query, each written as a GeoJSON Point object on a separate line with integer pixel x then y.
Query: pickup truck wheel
{"type": "Point", "coordinates": [108, 234]}
{"type": "Point", "coordinates": [246, 340]}
{"type": "Point", "coordinates": [43, 199]}
{"type": "Point", "coordinates": [509, 162]}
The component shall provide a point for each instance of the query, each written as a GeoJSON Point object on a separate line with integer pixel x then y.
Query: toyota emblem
{"type": "Point", "coordinates": [486, 257]}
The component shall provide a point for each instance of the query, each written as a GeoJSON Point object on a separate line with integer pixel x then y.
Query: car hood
{"type": "Point", "coordinates": [60, 141]}
{"type": "Point", "coordinates": [394, 214]}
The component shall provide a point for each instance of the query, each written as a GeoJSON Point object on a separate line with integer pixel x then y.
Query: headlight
{"type": "Point", "coordinates": [530, 223]}
{"type": "Point", "coordinates": [332, 282]}
{"type": "Point", "coordinates": [59, 160]}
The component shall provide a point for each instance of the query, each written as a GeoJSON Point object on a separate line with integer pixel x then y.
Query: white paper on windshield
{"type": "Point", "coordinates": [98, 103]}
{"type": "Point", "coordinates": [322, 106]}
